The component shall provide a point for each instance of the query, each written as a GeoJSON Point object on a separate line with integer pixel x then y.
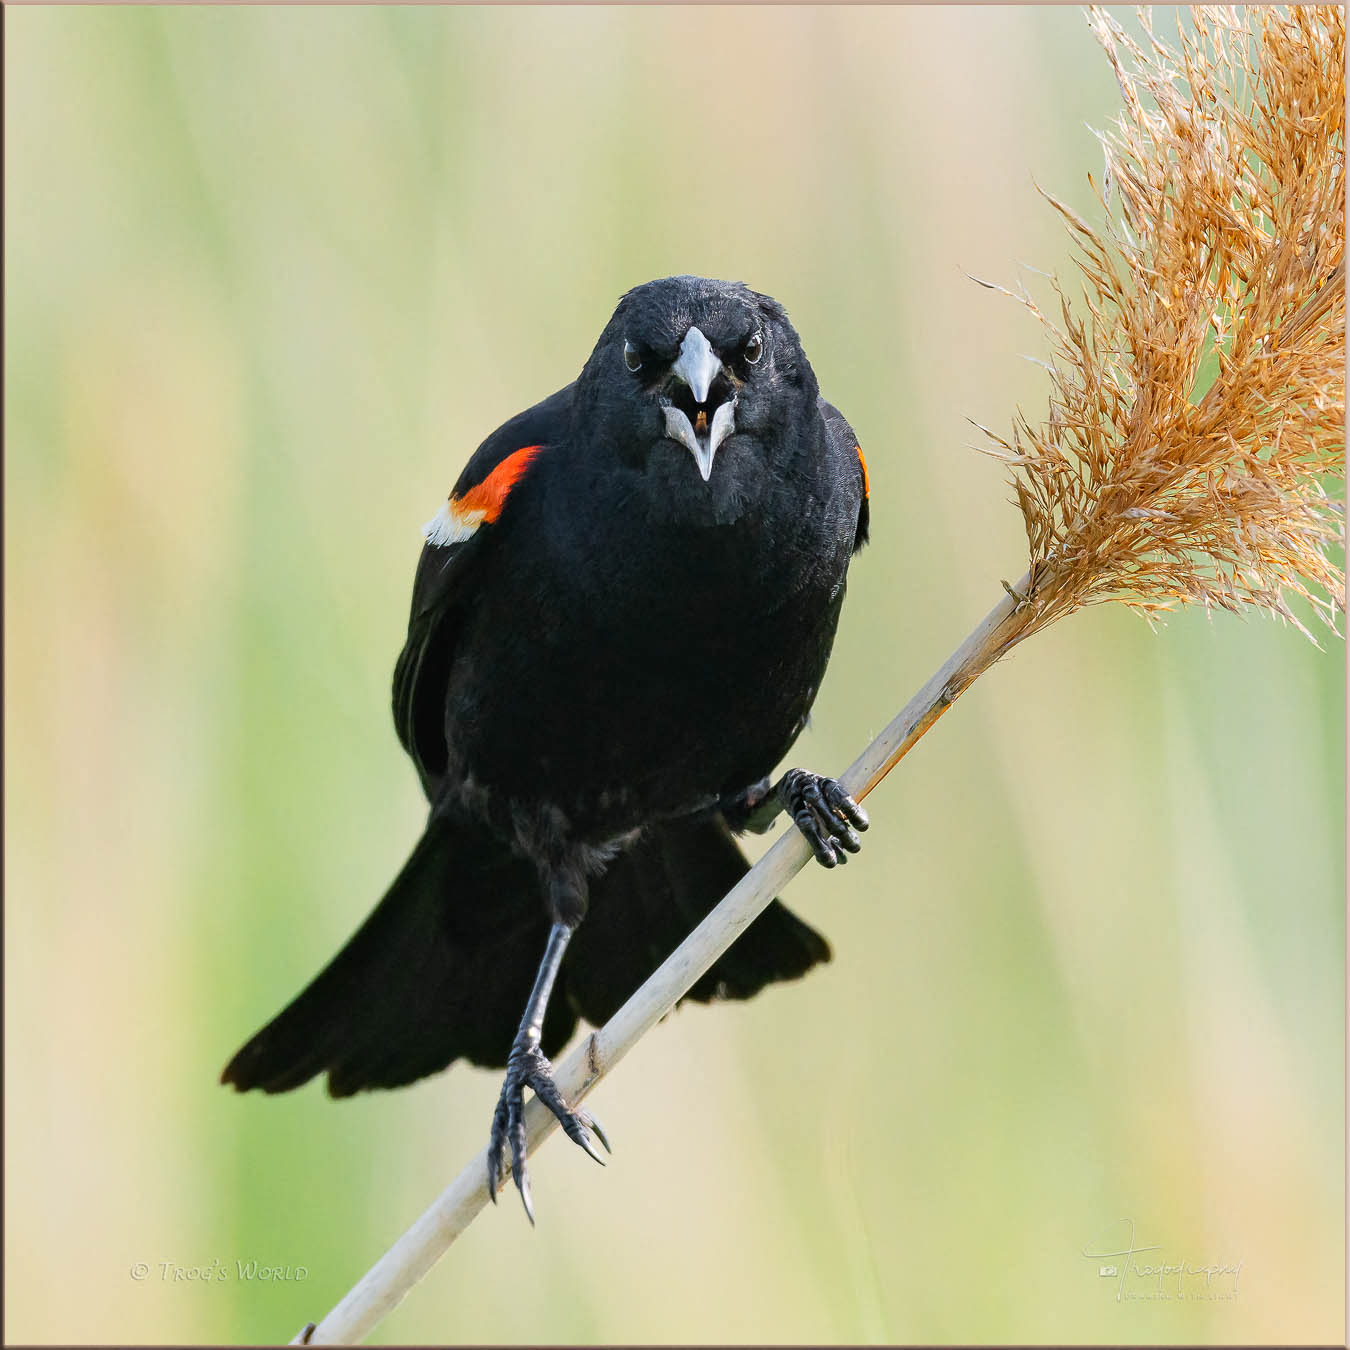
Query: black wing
{"type": "Point", "coordinates": [845, 442]}
{"type": "Point", "coordinates": [444, 583]}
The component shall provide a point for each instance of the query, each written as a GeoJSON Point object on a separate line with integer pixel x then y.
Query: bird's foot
{"type": "Point", "coordinates": [527, 1067]}
{"type": "Point", "coordinates": [824, 813]}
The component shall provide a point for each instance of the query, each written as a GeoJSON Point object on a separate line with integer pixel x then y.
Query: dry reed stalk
{"type": "Point", "coordinates": [1196, 421]}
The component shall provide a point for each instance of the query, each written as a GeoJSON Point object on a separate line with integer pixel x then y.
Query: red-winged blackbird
{"type": "Point", "coordinates": [620, 620]}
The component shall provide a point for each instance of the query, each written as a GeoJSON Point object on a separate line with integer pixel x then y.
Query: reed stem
{"type": "Point", "coordinates": [384, 1286]}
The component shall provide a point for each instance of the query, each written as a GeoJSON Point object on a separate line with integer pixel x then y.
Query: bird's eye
{"type": "Point", "coordinates": [754, 348]}
{"type": "Point", "coordinates": [632, 358]}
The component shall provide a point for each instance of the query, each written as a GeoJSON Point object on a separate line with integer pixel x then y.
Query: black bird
{"type": "Point", "coordinates": [619, 623]}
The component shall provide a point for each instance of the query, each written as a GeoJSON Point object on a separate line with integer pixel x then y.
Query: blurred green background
{"type": "Point", "coordinates": [271, 276]}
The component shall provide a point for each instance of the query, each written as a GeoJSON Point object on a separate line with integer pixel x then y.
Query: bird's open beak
{"type": "Point", "coordinates": [697, 368]}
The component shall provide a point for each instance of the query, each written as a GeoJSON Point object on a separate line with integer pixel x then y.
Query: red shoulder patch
{"type": "Point", "coordinates": [459, 517]}
{"type": "Point", "coordinates": [862, 459]}
{"type": "Point", "coordinates": [487, 498]}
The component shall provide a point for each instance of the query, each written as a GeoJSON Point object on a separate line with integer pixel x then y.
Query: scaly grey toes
{"type": "Point", "coordinates": [843, 805]}
{"type": "Point", "coordinates": [496, 1163]}
{"type": "Point", "coordinates": [527, 1067]}
{"type": "Point", "coordinates": [578, 1125]}
{"type": "Point", "coordinates": [825, 814]}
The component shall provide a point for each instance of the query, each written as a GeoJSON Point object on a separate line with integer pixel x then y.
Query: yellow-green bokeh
{"type": "Point", "coordinates": [271, 275]}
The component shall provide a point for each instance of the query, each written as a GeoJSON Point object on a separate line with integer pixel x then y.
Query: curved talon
{"type": "Point", "coordinates": [583, 1139]}
{"type": "Point", "coordinates": [523, 1186]}
{"type": "Point", "coordinates": [527, 1067]}
{"type": "Point", "coordinates": [598, 1130]}
{"type": "Point", "coordinates": [825, 814]}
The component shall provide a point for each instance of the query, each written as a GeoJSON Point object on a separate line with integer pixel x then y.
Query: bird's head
{"type": "Point", "coordinates": [691, 363]}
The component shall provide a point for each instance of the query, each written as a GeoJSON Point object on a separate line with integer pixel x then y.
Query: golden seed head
{"type": "Point", "coordinates": [1195, 439]}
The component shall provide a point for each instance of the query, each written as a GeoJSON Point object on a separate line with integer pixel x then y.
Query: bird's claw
{"type": "Point", "coordinates": [528, 1067]}
{"type": "Point", "coordinates": [824, 813]}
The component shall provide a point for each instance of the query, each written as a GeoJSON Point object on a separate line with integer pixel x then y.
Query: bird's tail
{"type": "Point", "coordinates": [442, 968]}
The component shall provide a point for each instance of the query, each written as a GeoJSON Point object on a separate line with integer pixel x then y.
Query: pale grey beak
{"type": "Point", "coordinates": [698, 366]}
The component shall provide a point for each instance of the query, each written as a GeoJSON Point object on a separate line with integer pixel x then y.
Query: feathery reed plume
{"type": "Point", "coordinates": [1196, 422]}
{"type": "Point", "coordinates": [1197, 409]}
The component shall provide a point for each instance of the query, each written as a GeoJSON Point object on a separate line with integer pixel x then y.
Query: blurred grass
{"type": "Point", "coordinates": [271, 275]}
